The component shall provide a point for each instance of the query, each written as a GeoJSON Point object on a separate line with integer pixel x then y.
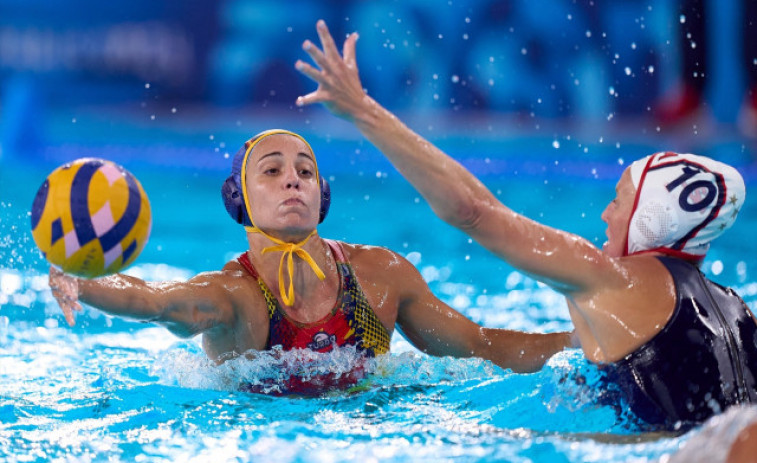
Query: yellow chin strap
{"type": "Point", "coordinates": [288, 249]}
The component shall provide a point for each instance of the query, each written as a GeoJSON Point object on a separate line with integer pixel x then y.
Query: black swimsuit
{"type": "Point", "coordinates": [703, 361]}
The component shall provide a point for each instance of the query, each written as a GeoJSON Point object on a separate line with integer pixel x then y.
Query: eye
{"type": "Point", "coordinates": [271, 171]}
{"type": "Point", "coordinates": [307, 173]}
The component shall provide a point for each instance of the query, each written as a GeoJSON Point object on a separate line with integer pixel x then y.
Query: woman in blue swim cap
{"type": "Point", "coordinates": [680, 347]}
{"type": "Point", "coordinates": [293, 288]}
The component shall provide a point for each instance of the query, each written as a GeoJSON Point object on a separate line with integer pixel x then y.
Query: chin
{"type": "Point", "coordinates": [297, 229]}
{"type": "Point", "coordinates": [608, 249]}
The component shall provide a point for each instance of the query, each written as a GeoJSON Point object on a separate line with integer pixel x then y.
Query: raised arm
{"type": "Point", "coordinates": [565, 261]}
{"type": "Point", "coordinates": [185, 308]}
{"type": "Point", "coordinates": [437, 329]}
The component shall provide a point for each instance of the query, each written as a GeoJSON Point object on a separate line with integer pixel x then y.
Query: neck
{"type": "Point", "coordinates": [306, 282]}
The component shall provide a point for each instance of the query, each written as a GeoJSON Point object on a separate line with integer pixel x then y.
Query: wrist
{"type": "Point", "coordinates": [367, 114]}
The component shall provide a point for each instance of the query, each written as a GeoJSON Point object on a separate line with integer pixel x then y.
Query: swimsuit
{"type": "Point", "coordinates": [703, 361]}
{"type": "Point", "coordinates": [352, 322]}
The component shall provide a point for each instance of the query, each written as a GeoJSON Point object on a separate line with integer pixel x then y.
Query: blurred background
{"type": "Point", "coordinates": [575, 88]}
{"type": "Point", "coordinates": [675, 67]}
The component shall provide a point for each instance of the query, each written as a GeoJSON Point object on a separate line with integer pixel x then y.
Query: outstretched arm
{"type": "Point", "coordinates": [437, 329]}
{"type": "Point", "coordinates": [565, 261]}
{"type": "Point", "coordinates": [185, 308]}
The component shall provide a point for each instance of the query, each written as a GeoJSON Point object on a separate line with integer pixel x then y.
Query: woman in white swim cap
{"type": "Point", "coordinates": [680, 347]}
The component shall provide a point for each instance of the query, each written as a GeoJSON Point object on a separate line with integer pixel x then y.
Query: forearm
{"type": "Point", "coordinates": [121, 295]}
{"type": "Point", "coordinates": [520, 351]}
{"type": "Point", "coordinates": [454, 194]}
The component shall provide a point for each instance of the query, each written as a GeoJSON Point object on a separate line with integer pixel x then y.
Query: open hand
{"type": "Point", "coordinates": [339, 87]}
{"type": "Point", "coordinates": [66, 291]}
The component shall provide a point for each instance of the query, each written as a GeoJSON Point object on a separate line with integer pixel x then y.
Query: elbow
{"type": "Point", "coordinates": [181, 330]}
{"type": "Point", "coordinates": [531, 365]}
{"type": "Point", "coordinates": [464, 215]}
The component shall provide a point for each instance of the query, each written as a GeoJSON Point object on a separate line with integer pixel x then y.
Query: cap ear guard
{"type": "Point", "coordinates": [653, 225]}
{"type": "Point", "coordinates": [231, 192]}
{"type": "Point", "coordinates": [325, 199]}
{"type": "Point", "coordinates": [232, 199]}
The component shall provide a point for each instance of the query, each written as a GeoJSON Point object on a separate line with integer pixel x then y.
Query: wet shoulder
{"type": "Point", "coordinates": [232, 283]}
{"type": "Point", "coordinates": [376, 261]}
{"type": "Point", "coordinates": [362, 254]}
{"type": "Point", "coordinates": [648, 269]}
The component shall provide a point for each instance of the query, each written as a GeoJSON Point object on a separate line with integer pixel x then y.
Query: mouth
{"type": "Point", "coordinates": [293, 202]}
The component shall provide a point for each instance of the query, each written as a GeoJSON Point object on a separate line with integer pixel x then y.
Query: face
{"type": "Point", "coordinates": [282, 188]}
{"type": "Point", "coordinates": [617, 216]}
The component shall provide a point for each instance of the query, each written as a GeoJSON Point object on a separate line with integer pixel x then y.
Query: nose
{"type": "Point", "coordinates": [605, 213]}
{"type": "Point", "coordinates": [291, 178]}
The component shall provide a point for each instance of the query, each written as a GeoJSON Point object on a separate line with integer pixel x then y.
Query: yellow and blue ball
{"type": "Point", "coordinates": [91, 218]}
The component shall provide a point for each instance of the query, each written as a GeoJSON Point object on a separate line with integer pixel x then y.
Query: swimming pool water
{"type": "Point", "coordinates": [114, 390]}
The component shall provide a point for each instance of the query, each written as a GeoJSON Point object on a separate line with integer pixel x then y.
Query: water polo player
{"type": "Point", "coordinates": [680, 347]}
{"type": "Point", "coordinates": [327, 293]}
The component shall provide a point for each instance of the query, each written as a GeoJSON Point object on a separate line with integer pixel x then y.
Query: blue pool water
{"type": "Point", "coordinates": [109, 389]}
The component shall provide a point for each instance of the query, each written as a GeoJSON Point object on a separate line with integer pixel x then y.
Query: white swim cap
{"type": "Point", "coordinates": [683, 202]}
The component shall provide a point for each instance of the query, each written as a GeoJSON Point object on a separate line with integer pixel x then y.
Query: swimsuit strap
{"type": "Point", "coordinates": [337, 250]}
{"type": "Point", "coordinates": [244, 259]}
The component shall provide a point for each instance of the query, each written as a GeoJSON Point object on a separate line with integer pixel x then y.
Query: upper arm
{"type": "Point", "coordinates": [428, 323]}
{"type": "Point", "coordinates": [197, 305]}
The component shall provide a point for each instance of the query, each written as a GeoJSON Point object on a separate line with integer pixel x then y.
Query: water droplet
{"type": "Point", "coordinates": [717, 267]}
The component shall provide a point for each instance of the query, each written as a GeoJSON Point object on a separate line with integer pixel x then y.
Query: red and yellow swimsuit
{"type": "Point", "coordinates": [351, 322]}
